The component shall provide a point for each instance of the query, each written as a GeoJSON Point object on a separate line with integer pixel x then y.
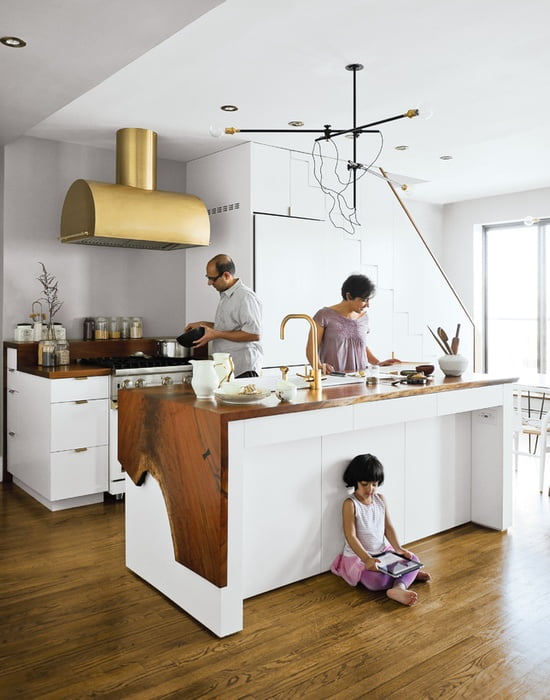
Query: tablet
{"type": "Point", "coordinates": [395, 564]}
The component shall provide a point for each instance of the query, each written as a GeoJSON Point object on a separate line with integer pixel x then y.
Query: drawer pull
{"type": "Point", "coordinates": [81, 449]}
{"type": "Point", "coordinates": [11, 433]}
{"type": "Point", "coordinates": [80, 379]}
{"type": "Point", "coordinates": [11, 369]}
{"type": "Point", "coordinates": [11, 391]}
{"type": "Point", "coordinates": [82, 401]}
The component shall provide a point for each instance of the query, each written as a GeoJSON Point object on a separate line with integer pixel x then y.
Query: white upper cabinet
{"type": "Point", "coordinates": [283, 183]}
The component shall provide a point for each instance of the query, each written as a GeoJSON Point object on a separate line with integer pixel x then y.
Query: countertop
{"type": "Point", "coordinates": [308, 399]}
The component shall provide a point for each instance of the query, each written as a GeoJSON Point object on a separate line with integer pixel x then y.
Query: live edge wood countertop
{"type": "Point", "coordinates": [183, 443]}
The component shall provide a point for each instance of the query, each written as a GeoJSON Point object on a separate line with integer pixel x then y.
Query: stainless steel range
{"type": "Point", "coordinates": [132, 372]}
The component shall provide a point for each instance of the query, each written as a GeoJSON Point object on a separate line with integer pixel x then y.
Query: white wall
{"type": "Point", "coordinates": [92, 280]}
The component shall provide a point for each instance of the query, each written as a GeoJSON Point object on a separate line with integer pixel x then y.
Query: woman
{"type": "Point", "coordinates": [342, 330]}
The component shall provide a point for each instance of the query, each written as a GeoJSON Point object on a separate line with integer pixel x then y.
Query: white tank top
{"type": "Point", "coordinates": [369, 525]}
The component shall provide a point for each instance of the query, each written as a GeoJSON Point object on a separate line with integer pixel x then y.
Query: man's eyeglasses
{"type": "Point", "coordinates": [213, 279]}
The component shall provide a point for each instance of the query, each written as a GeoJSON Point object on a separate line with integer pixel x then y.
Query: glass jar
{"type": "Point", "coordinates": [47, 350]}
{"type": "Point", "coordinates": [88, 328]}
{"type": "Point", "coordinates": [101, 330]}
{"type": "Point", "coordinates": [136, 327]}
{"type": "Point", "coordinates": [63, 355]}
{"type": "Point", "coordinates": [124, 327]}
{"type": "Point", "coordinates": [114, 328]}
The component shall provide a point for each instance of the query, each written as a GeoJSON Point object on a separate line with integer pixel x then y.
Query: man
{"type": "Point", "coordinates": [238, 321]}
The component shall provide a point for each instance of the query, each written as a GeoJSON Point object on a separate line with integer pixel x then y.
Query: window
{"type": "Point", "coordinates": [516, 302]}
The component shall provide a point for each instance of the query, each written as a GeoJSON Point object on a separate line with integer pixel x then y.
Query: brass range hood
{"type": "Point", "coordinates": [133, 213]}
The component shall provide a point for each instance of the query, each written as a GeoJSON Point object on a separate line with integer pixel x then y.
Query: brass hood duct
{"type": "Point", "coordinates": [133, 213]}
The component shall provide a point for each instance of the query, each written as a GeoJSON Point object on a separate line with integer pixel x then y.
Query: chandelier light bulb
{"type": "Point", "coordinates": [425, 111]}
{"type": "Point", "coordinates": [215, 131]}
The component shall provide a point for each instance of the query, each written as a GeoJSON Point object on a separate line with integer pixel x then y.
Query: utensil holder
{"type": "Point", "coordinates": [453, 365]}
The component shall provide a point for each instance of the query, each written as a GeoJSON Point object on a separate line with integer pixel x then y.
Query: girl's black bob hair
{"type": "Point", "coordinates": [364, 468]}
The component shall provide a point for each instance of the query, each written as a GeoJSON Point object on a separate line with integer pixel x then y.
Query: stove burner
{"type": "Point", "coordinates": [134, 362]}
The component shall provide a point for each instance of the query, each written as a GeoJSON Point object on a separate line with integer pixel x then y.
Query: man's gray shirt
{"type": "Point", "coordinates": [239, 309]}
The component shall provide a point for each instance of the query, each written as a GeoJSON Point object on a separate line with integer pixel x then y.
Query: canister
{"type": "Point", "coordinates": [101, 330]}
{"type": "Point", "coordinates": [136, 327]}
{"type": "Point", "coordinates": [114, 328]}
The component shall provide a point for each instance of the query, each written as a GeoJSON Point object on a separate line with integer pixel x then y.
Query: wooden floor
{"type": "Point", "coordinates": [74, 623]}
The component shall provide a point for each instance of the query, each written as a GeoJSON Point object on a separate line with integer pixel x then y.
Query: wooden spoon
{"type": "Point", "coordinates": [445, 338]}
{"type": "Point", "coordinates": [455, 341]}
{"type": "Point", "coordinates": [438, 341]}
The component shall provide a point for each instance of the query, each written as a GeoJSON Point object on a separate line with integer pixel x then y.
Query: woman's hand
{"type": "Point", "coordinates": [326, 368]}
{"type": "Point", "coordinates": [390, 361]}
{"type": "Point", "coordinates": [404, 552]}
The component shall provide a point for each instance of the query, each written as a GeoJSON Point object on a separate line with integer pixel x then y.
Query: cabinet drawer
{"type": "Point", "coordinates": [79, 473]}
{"type": "Point", "coordinates": [79, 424]}
{"type": "Point", "coordinates": [13, 379]}
{"type": "Point", "coordinates": [73, 388]}
{"type": "Point", "coordinates": [11, 358]}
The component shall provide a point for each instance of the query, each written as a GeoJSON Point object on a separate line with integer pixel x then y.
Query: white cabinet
{"type": "Point", "coordinates": [58, 432]}
{"type": "Point", "coordinates": [283, 183]}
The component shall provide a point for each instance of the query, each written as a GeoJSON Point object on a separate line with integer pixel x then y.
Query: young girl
{"type": "Point", "coordinates": [367, 526]}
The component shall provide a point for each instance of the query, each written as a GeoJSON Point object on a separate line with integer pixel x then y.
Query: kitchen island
{"type": "Point", "coordinates": [224, 502]}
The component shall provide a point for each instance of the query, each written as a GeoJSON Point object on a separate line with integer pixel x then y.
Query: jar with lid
{"type": "Point", "coordinates": [114, 328]}
{"type": "Point", "coordinates": [63, 355]}
{"type": "Point", "coordinates": [23, 332]}
{"type": "Point", "coordinates": [136, 327]}
{"type": "Point", "coordinates": [59, 332]}
{"type": "Point", "coordinates": [88, 328]}
{"type": "Point", "coordinates": [101, 330]}
{"type": "Point", "coordinates": [124, 327]}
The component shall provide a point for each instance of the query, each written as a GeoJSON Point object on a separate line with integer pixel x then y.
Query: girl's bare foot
{"type": "Point", "coordinates": [423, 576]}
{"type": "Point", "coordinates": [402, 595]}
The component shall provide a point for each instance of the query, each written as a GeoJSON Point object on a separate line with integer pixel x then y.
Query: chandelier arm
{"type": "Point", "coordinates": [233, 130]}
{"type": "Point", "coordinates": [368, 169]}
{"type": "Point", "coordinates": [365, 127]}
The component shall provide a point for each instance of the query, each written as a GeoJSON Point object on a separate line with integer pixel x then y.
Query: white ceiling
{"type": "Point", "coordinates": [94, 66]}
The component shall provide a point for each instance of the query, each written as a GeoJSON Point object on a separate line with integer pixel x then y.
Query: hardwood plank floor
{"type": "Point", "coordinates": [75, 623]}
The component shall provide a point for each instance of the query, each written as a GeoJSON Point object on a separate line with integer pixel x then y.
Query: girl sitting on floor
{"type": "Point", "coordinates": [368, 529]}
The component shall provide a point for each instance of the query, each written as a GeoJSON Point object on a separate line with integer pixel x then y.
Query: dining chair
{"type": "Point", "coordinates": [533, 422]}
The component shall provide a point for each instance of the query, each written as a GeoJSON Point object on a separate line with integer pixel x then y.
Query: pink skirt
{"type": "Point", "coordinates": [349, 568]}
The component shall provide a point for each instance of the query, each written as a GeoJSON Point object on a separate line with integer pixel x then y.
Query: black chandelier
{"type": "Point", "coordinates": [327, 133]}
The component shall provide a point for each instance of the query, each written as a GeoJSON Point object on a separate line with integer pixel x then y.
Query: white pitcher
{"type": "Point", "coordinates": [204, 380]}
{"type": "Point", "coordinates": [223, 364]}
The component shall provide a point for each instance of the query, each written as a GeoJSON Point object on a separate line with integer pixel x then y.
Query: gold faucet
{"type": "Point", "coordinates": [315, 376]}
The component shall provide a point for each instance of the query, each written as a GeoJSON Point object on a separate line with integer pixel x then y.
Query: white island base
{"type": "Point", "coordinates": [447, 460]}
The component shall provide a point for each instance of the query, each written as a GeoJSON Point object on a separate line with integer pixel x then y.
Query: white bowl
{"type": "Point", "coordinates": [453, 365]}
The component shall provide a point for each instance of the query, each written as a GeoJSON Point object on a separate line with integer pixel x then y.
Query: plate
{"type": "Point", "coordinates": [226, 397]}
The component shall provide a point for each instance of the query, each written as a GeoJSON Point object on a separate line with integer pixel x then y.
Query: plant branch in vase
{"type": "Point", "coordinates": [49, 295]}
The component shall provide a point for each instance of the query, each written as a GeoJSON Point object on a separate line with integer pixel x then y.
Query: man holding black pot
{"type": "Point", "coordinates": [238, 321]}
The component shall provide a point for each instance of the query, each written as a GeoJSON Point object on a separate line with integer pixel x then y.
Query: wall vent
{"type": "Point", "coordinates": [224, 208]}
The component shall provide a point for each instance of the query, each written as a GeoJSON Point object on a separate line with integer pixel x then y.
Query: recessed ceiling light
{"type": "Point", "coordinates": [401, 148]}
{"type": "Point", "coordinates": [445, 157]}
{"type": "Point", "coordinates": [13, 42]}
{"type": "Point", "coordinates": [229, 108]}
{"type": "Point", "coordinates": [295, 123]}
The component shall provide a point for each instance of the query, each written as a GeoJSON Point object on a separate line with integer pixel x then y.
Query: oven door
{"type": "Point", "coordinates": [116, 472]}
